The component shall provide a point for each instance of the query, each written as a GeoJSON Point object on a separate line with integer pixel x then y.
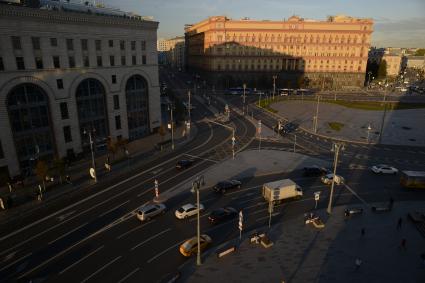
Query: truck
{"type": "Point", "coordinates": [282, 189]}
{"type": "Point", "coordinates": [413, 179]}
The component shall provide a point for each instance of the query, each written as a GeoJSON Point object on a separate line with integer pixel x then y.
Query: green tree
{"type": "Point", "coordinates": [382, 70]}
{"type": "Point", "coordinates": [420, 52]}
{"type": "Point", "coordinates": [41, 170]}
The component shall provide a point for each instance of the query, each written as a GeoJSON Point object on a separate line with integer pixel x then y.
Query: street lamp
{"type": "Point", "coordinates": [381, 132]}
{"type": "Point", "coordinates": [368, 132]}
{"type": "Point", "coordinates": [316, 118]}
{"type": "Point", "coordinates": [196, 185]}
{"type": "Point", "coordinates": [93, 164]}
{"type": "Point", "coordinates": [274, 85]}
{"type": "Point", "coordinates": [171, 125]}
{"type": "Point", "coordinates": [336, 147]}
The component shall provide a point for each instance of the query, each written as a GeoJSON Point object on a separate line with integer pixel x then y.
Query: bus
{"type": "Point", "coordinates": [413, 179]}
{"type": "Point", "coordinates": [238, 90]}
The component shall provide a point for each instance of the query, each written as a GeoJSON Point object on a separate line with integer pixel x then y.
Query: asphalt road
{"type": "Point", "coordinates": [94, 236]}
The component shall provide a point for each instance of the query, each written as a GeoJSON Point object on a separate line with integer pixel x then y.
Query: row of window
{"type": "Point", "coordinates": [292, 39]}
{"type": "Point", "coordinates": [17, 45]}
{"type": "Point", "coordinates": [20, 63]}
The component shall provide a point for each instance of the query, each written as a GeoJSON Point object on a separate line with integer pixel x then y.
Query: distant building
{"type": "Point", "coordinates": [172, 51]}
{"type": "Point", "coordinates": [328, 54]}
{"type": "Point", "coordinates": [416, 62]}
{"type": "Point", "coordinates": [63, 73]}
{"type": "Point", "coordinates": [392, 56]}
{"type": "Point", "coordinates": [394, 64]}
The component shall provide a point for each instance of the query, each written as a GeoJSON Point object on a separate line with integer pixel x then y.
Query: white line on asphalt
{"type": "Point", "coordinates": [134, 229]}
{"type": "Point", "coordinates": [128, 275]}
{"type": "Point", "coordinates": [258, 211]}
{"type": "Point", "coordinates": [112, 209]}
{"type": "Point", "coordinates": [66, 234]}
{"type": "Point", "coordinates": [242, 202]}
{"type": "Point", "coordinates": [356, 195]}
{"type": "Point", "coordinates": [12, 263]}
{"type": "Point", "coordinates": [102, 268]}
{"type": "Point", "coordinates": [80, 260]}
{"type": "Point", "coordinates": [251, 206]}
{"type": "Point", "coordinates": [207, 159]}
{"type": "Point", "coordinates": [265, 217]}
{"type": "Point", "coordinates": [246, 189]}
{"type": "Point", "coordinates": [163, 252]}
{"type": "Point", "coordinates": [150, 238]}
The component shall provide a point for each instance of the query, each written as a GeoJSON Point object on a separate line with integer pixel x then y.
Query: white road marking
{"type": "Point", "coordinates": [251, 206]}
{"type": "Point", "coordinates": [266, 217]}
{"type": "Point", "coordinates": [242, 202]}
{"type": "Point", "coordinates": [151, 238]}
{"type": "Point", "coordinates": [80, 260]}
{"type": "Point", "coordinates": [163, 252]}
{"type": "Point", "coordinates": [197, 157]}
{"type": "Point", "coordinates": [195, 218]}
{"type": "Point", "coordinates": [62, 217]}
{"type": "Point", "coordinates": [134, 229]}
{"type": "Point", "coordinates": [66, 234]}
{"type": "Point", "coordinates": [102, 268]}
{"type": "Point", "coordinates": [12, 263]}
{"type": "Point", "coordinates": [243, 190]}
{"type": "Point", "coordinates": [112, 209]}
{"type": "Point", "coordinates": [128, 275]}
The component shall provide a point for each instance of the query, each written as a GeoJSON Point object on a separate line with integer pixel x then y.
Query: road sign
{"type": "Point", "coordinates": [156, 188]}
{"type": "Point", "coordinates": [316, 198]}
{"type": "Point", "coordinates": [240, 220]}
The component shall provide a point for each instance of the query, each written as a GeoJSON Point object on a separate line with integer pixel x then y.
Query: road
{"type": "Point", "coordinates": [94, 236]}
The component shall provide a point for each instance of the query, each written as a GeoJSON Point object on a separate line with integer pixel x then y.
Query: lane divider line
{"type": "Point", "coordinates": [150, 238]}
{"type": "Point", "coordinates": [80, 260]}
{"type": "Point", "coordinates": [102, 268]}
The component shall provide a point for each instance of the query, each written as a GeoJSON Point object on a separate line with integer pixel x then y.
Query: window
{"type": "Point", "coordinates": [133, 45]}
{"type": "Point", "coordinates": [122, 60]}
{"type": "Point", "coordinates": [53, 42]}
{"type": "Point", "coordinates": [114, 79]}
{"type": "Point", "coordinates": [84, 44]}
{"type": "Point", "coordinates": [143, 45]}
{"type": "Point", "coordinates": [133, 60]}
{"type": "Point", "coordinates": [20, 63]}
{"type": "Point", "coordinates": [144, 59]}
{"type": "Point", "coordinates": [59, 83]}
{"type": "Point", "coordinates": [116, 102]}
{"type": "Point", "coordinates": [111, 43]}
{"type": "Point", "coordinates": [35, 43]}
{"type": "Point", "coordinates": [118, 122]}
{"type": "Point", "coordinates": [99, 61]}
{"type": "Point", "coordinates": [16, 42]}
{"type": "Point", "coordinates": [71, 61]}
{"type": "Point", "coordinates": [112, 60]}
{"type": "Point", "coordinates": [38, 63]}
{"type": "Point", "coordinates": [122, 44]}
{"type": "Point", "coordinates": [64, 110]}
{"type": "Point", "coordinates": [67, 134]}
{"type": "Point", "coordinates": [98, 44]}
{"type": "Point", "coordinates": [69, 44]}
{"type": "Point", "coordinates": [86, 61]}
{"type": "Point", "coordinates": [56, 62]}
{"type": "Point", "coordinates": [1, 64]}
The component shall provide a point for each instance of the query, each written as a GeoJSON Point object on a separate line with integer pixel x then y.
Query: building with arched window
{"type": "Point", "coordinates": [63, 74]}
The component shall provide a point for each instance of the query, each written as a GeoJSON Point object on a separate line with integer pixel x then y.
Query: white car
{"type": "Point", "coordinates": [384, 169]}
{"type": "Point", "coordinates": [188, 210]}
{"type": "Point", "coordinates": [145, 213]}
{"type": "Point", "coordinates": [327, 179]}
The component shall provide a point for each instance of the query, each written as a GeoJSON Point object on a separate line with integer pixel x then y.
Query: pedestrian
{"type": "Point", "coordinates": [358, 262]}
{"type": "Point", "coordinates": [403, 243]}
{"type": "Point", "coordinates": [400, 220]}
{"type": "Point", "coordinates": [363, 232]}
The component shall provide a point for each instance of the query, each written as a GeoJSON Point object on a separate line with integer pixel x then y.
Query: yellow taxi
{"type": "Point", "coordinates": [190, 246]}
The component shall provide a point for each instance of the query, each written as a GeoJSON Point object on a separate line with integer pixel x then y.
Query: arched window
{"type": "Point", "coordinates": [92, 114]}
{"type": "Point", "coordinates": [29, 116]}
{"type": "Point", "coordinates": [136, 92]}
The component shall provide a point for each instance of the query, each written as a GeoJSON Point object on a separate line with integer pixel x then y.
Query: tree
{"type": "Point", "coordinates": [382, 70]}
{"type": "Point", "coordinates": [41, 170]}
{"type": "Point", "coordinates": [420, 52]}
{"type": "Point", "coordinates": [59, 165]}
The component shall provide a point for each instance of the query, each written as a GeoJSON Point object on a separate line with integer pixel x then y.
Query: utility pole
{"type": "Point", "coordinates": [196, 185]}
{"type": "Point", "coordinates": [243, 106]}
{"type": "Point", "coordinates": [190, 106]}
{"type": "Point", "coordinates": [316, 118]}
{"type": "Point", "coordinates": [381, 132]}
{"type": "Point", "coordinates": [93, 164]}
{"type": "Point", "coordinates": [274, 85]}
{"type": "Point", "coordinates": [171, 125]}
{"type": "Point", "coordinates": [335, 147]}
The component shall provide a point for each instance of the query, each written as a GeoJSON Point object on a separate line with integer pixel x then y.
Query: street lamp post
{"type": "Point", "coordinates": [381, 132]}
{"type": "Point", "coordinates": [316, 118]}
{"type": "Point", "coordinates": [93, 164]}
{"type": "Point", "coordinates": [243, 106]}
{"type": "Point", "coordinates": [171, 125]}
{"type": "Point", "coordinates": [189, 108]}
{"type": "Point", "coordinates": [336, 147]}
{"type": "Point", "coordinates": [274, 85]}
{"type": "Point", "coordinates": [196, 185]}
{"type": "Point", "coordinates": [369, 73]}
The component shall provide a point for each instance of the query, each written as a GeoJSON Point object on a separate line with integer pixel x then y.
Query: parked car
{"type": "Point", "coordinates": [315, 171]}
{"type": "Point", "coordinates": [327, 179]}
{"type": "Point", "coordinates": [223, 186]}
{"type": "Point", "coordinates": [145, 213]}
{"type": "Point", "coordinates": [384, 169]}
{"type": "Point", "coordinates": [183, 164]}
{"type": "Point", "coordinates": [222, 214]}
{"type": "Point", "coordinates": [190, 246]}
{"type": "Point", "coordinates": [188, 210]}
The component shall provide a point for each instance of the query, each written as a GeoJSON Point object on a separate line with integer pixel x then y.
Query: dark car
{"type": "Point", "coordinates": [222, 187]}
{"type": "Point", "coordinates": [183, 164]}
{"type": "Point", "coordinates": [315, 171]}
{"type": "Point", "coordinates": [222, 214]}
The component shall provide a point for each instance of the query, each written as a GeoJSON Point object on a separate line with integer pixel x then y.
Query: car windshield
{"type": "Point", "coordinates": [181, 210]}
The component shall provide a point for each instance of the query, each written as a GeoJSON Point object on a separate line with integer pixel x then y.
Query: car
{"type": "Point", "coordinates": [183, 164]}
{"type": "Point", "coordinates": [188, 210]}
{"type": "Point", "coordinates": [190, 246]}
{"type": "Point", "coordinates": [384, 169]}
{"type": "Point", "coordinates": [223, 186]}
{"type": "Point", "coordinates": [315, 171]}
{"type": "Point", "coordinates": [145, 213]}
{"type": "Point", "coordinates": [327, 179]}
{"type": "Point", "coordinates": [222, 214]}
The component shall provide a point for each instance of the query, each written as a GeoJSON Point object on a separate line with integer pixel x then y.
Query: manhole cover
{"type": "Point", "coordinates": [406, 128]}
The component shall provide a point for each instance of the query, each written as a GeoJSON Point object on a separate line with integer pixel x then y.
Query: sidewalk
{"type": "Point", "coordinates": [302, 253]}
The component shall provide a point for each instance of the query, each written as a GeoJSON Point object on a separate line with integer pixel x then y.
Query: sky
{"type": "Point", "coordinates": [398, 23]}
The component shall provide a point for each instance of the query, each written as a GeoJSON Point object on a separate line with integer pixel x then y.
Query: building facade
{"type": "Point", "coordinates": [416, 62]}
{"type": "Point", "coordinates": [327, 54]}
{"type": "Point", "coordinates": [64, 75]}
